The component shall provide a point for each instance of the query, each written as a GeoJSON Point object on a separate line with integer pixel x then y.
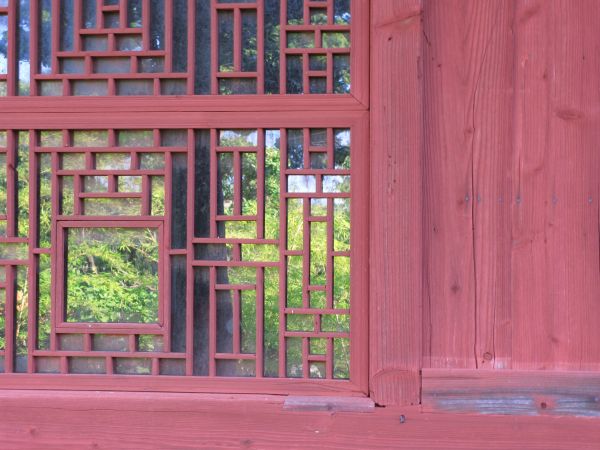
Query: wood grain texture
{"type": "Point", "coordinates": [530, 263]}
{"type": "Point", "coordinates": [331, 102]}
{"type": "Point", "coordinates": [556, 287]}
{"type": "Point", "coordinates": [512, 183]}
{"type": "Point", "coordinates": [545, 393]}
{"type": "Point", "coordinates": [468, 103]}
{"type": "Point", "coordinates": [143, 383]}
{"type": "Point", "coordinates": [120, 119]}
{"type": "Point", "coordinates": [491, 161]}
{"type": "Point", "coordinates": [51, 420]}
{"type": "Point", "coordinates": [395, 228]}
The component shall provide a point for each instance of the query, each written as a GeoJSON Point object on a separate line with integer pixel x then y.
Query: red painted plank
{"type": "Point", "coordinates": [512, 171]}
{"type": "Point", "coordinates": [96, 420]}
{"type": "Point", "coordinates": [360, 50]}
{"type": "Point", "coordinates": [491, 161]}
{"type": "Point", "coordinates": [143, 383]}
{"type": "Point", "coordinates": [468, 136]}
{"type": "Point", "coordinates": [530, 262]}
{"type": "Point", "coordinates": [395, 228]}
{"type": "Point", "coordinates": [122, 119]}
{"type": "Point", "coordinates": [556, 268]}
{"type": "Point", "coordinates": [456, 35]}
{"type": "Point", "coordinates": [330, 102]}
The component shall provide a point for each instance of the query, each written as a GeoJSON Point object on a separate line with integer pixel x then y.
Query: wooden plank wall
{"type": "Point", "coordinates": [512, 182]}
{"type": "Point", "coordinates": [485, 146]}
{"type": "Point", "coordinates": [511, 173]}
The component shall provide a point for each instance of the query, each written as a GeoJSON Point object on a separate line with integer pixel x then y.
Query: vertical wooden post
{"type": "Point", "coordinates": [396, 202]}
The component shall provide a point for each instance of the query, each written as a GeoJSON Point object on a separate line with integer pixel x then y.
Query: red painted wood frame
{"type": "Point", "coordinates": [190, 112]}
{"type": "Point", "coordinates": [357, 122]}
{"type": "Point", "coordinates": [59, 305]}
{"type": "Point", "coordinates": [56, 67]}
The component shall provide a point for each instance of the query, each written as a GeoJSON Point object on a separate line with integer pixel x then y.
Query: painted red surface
{"type": "Point", "coordinates": [485, 189]}
{"type": "Point", "coordinates": [189, 421]}
{"type": "Point", "coordinates": [396, 201]}
{"type": "Point", "coordinates": [482, 212]}
{"type": "Point", "coordinates": [511, 179]}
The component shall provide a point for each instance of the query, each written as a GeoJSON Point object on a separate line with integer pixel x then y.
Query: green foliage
{"type": "Point", "coordinates": [112, 275]}
{"type": "Point", "coordinates": [44, 301]}
{"type": "Point", "coordinates": [23, 184]}
{"type": "Point", "coordinates": [21, 310]}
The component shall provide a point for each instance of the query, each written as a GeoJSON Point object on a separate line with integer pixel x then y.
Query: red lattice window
{"type": "Point", "coordinates": [201, 247]}
{"type": "Point", "coordinates": [178, 47]}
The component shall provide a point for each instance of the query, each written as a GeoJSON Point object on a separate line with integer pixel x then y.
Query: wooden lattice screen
{"type": "Point", "coordinates": [189, 239]}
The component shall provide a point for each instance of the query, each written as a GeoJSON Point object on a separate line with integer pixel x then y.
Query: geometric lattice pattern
{"type": "Point", "coordinates": [207, 252]}
{"type": "Point", "coordinates": [178, 47]}
{"type": "Point", "coordinates": [317, 47]}
{"type": "Point", "coordinates": [115, 49]}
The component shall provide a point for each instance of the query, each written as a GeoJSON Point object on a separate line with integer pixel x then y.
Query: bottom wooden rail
{"type": "Point", "coordinates": [125, 420]}
{"type": "Point", "coordinates": [208, 385]}
{"type": "Point", "coordinates": [531, 392]}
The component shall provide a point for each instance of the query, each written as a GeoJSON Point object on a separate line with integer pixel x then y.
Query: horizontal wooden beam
{"type": "Point", "coordinates": [122, 119]}
{"type": "Point", "coordinates": [143, 383]}
{"type": "Point", "coordinates": [75, 420]}
{"type": "Point", "coordinates": [512, 392]}
{"type": "Point", "coordinates": [182, 103]}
